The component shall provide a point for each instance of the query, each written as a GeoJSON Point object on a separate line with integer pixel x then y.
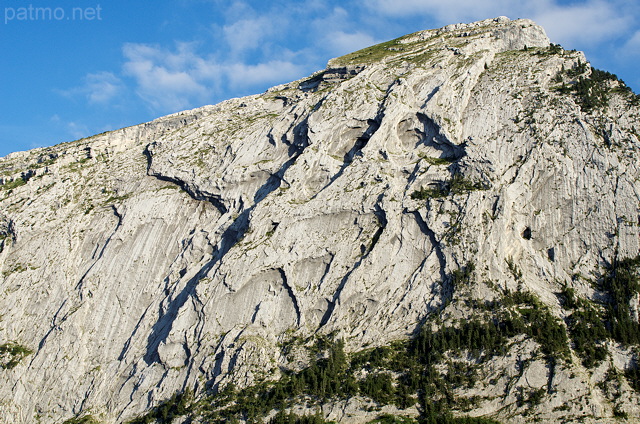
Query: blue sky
{"type": "Point", "coordinates": [73, 68]}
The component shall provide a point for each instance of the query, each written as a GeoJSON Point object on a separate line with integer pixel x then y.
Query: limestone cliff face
{"type": "Point", "coordinates": [178, 253]}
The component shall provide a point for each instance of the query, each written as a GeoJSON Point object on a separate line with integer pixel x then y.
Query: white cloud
{"type": "Point", "coordinates": [97, 88]}
{"type": "Point", "coordinates": [337, 31]}
{"type": "Point", "coordinates": [236, 10]}
{"type": "Point", "coordinates": [169, 81]}
{"type": "Point", "coordinates": [78, 130]}
{"type": "Point", "coordinates": [632, 46]}
{"type": "Point", "coordinates": [342, 42]}
{"type": "Point", "coordinates": [448, 12]}
{"type": "Point", "coordinates": [254, 52]}
{"type": "Point", "coordinates": [249, 34]}
{"type": "Point", "coordinates": [166, 80]}
{"type": "Point", "coordinates": [590, 22]}
{"type": "Point", "coordinates": [72, 129]}
{"type": "Point", "coordinates": [275, 71]}
{"type": "Point", "coordinates": [102, 87]}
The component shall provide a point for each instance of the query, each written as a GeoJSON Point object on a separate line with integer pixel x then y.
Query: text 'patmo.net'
{"type": "Point", "coordinates": [33, 14]}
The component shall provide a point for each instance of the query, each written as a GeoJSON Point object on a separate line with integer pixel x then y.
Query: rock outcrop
{"type": "Point", "coordinates": [179, 253]}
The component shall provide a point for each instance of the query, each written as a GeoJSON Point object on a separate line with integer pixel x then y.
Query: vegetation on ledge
{"type": "Point", "coordinates": [180, 404]}
{"type": "Point", "coordinates": [10, 185]}
{"type": "Point", "coordinates": [592, 91]}
{"type": "Point", "coordinates": [458, 184]}
{"type": "Point", "coordinates": [85, 419]}
{"type": "Point", "coordinates": [11, 354]}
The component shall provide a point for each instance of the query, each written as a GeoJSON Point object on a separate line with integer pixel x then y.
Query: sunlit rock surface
{"type": "Point", "coordinates": [178, 253]}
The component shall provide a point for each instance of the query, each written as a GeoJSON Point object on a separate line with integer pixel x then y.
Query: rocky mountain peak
{"type": "Point", "coordinates": [495, 35]}
{"type": "Point", "coordinates": [447, 222]}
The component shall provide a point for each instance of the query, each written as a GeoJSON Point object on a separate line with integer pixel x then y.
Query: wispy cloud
{"type": "Point", "coordinates": [166, 79]}
{"type": "Point", "coordinates": [171, 80]}
{"type": "Point", "coordinates": [73, 129]}
{"type": "Point", "coordinates": [78, 130]}
{"type": "Point", "coordinates": [96, 88]}
{"type": "Point", "coordinates": [249, 34]}
{"type": "Point", "coordinates": [242, 75]}
{"type": "Point", "coordinates": [341, 42]}
{"type": "Point", "coordinates": [632, 46]}
{"type": "Point", "coordinates": [102, 87]}
{"type": "Point", "coordinates": [443, 12]}
{"type": "Point", "coordinates": [254, 46]}
{"type": "Point", "coordinates": [588, 22]}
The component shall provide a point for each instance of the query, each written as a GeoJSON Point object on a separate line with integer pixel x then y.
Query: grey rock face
{"type": "Point", "coordinates": [178, 253]}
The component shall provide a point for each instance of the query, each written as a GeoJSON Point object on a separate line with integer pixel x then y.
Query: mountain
{"type": "Point", "coordinates": [442, 225]}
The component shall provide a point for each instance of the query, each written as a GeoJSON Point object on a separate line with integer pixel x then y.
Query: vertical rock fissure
{"type": "Point", "coordinates": [193, 351]}
{"type": "Point", "coordinates": [327, 268]}
{"type": "Point", "coordinates": [54, 325]}
{"type": "Point", "coordinates": [104, 247]}
{"type": "Point", "coordinates": [292, 295]}
{"type": "Point", "coordinates": [296, 149]}
{"type": "Point", "coordinates": [336, 296]}
{"type": "Point", "coordinates": [168, 314]}
{"type": "Point", "coordinates": [127, 343]}
{"type": "Point", "coordinates": [361, 142]}
{"type": "Point", "coordinates": [434, 243]}
{"type": "Point", "coordinates": [382, 222]}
